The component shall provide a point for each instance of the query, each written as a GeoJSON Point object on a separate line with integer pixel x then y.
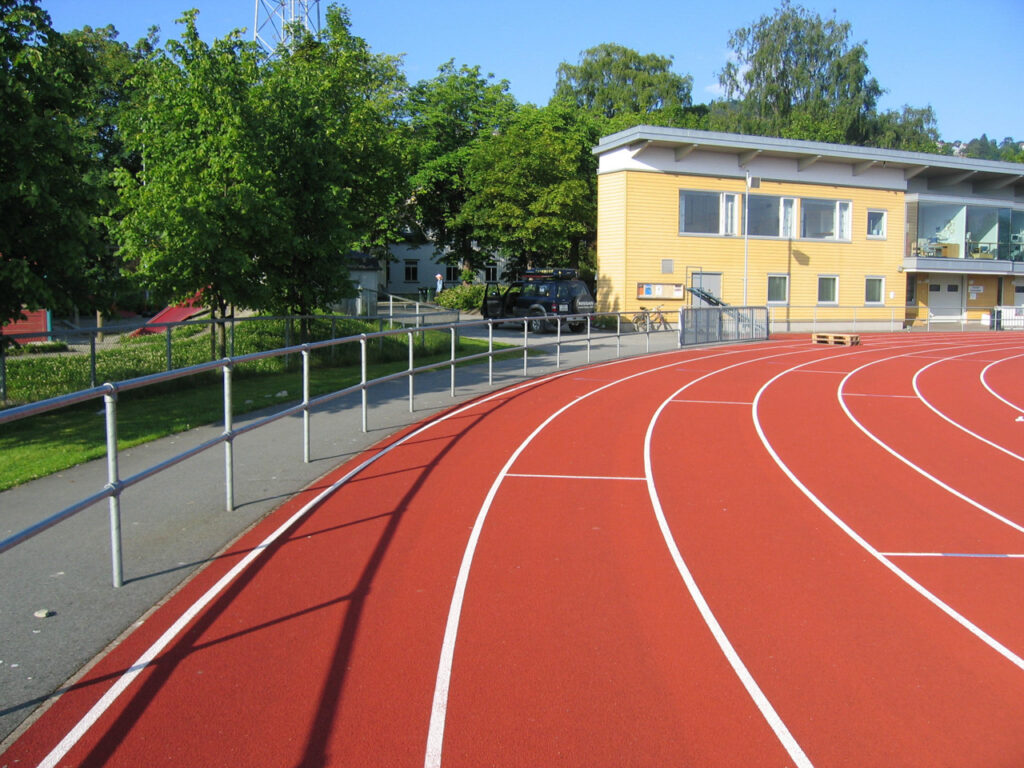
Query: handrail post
{"type": "Point", "coordinates": [114, 483]}
{"type": "Point", "coordinates": [170, 359]}
{"type": "Point", "coordinates": [92, 359]}
{"type": "Point", "coordinates": [526, 341]}
{"type": "Point", "coordinates": [3, 372]}
{"type": "Point", "coordinates": [558, 344]}
{"type": "Point", "coordinates": [362, 375]}
{"type": "Point", "coordinates": [490, 353]}
{"type": "Point", "coordinates": [412, 364]}
{"type": "Point", "coordinates": [452, 329]}
{"type": "Point", "coordinates": [229, 441]}
{"type": "Point", "coordinates": [588, 338]}
{"type": "Point", "coordinates": [305, 404]}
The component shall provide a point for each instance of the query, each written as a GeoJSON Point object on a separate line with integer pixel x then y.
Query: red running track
{"type": "Point", "coordinates": [778, 554]}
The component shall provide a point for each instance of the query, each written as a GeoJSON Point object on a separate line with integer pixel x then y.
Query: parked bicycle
{"type": "Point", "coordinates": [647, 320]}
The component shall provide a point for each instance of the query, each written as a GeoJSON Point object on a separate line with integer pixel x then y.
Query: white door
{"type": "Point", "coordinates": [1018, 295]}
{"type": "Point", "coordinates": [707, 281]}
{"type": "Point", "coordinates": [945, 297]}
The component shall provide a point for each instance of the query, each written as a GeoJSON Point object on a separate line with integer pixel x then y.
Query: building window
{"type": "Point", "coordinates": [699, 212]}
{"type": "Point", "coordinates": [491, 272]}
{"type": "Point", "coordinates": [730, 214]}
{"type": "Point", "coordinates": [412, 271]}
{"type": "Point", "coordinates": [770, 216]}
{"type": "Point", "coordinates": [825, 219]}
{"type": "Point", "coordinates": [452, 273]}
{"type": "Point", "coordinates": [764, 215]}
{"type": "Point", "coordinates": [876, 225]}
{"type": "Point", "coordinates": [778, 289]}
{"type": "Point", "coordinates": [911, 289]}
{"type": "Point", "coordinates": [828, 289]}
{"type": "Point", "coordinates": [874, 290]}
{"type": "Point", "coordinates": [788, 217]}
{"type": "Point", "coordinates": [708, 213]}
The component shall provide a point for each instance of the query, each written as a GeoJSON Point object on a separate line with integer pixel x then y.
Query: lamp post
{"type": "Point", "coordinates": [746, 238]}
{"type": "Point", "coordinates": [754, 183]}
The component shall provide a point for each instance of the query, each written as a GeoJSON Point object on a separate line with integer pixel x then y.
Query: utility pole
{"type": "Point", "coordinates": [276, 18]}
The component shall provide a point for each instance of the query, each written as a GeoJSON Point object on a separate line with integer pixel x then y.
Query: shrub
{"type": "Point", "coordinates": [466, 298]}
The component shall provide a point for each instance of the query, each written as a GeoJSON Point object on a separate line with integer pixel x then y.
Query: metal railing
{"type": "Point", "coordinates": [607, 330]}
{"type": "Point", "coordinates": [94, 342]}
{"type": "Point", "coordinates": [813, 318]}
{"type": "Point", "coordinates": [713, 325]}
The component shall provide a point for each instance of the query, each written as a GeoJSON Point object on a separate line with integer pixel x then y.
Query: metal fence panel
{"type": "Point", "coordinates": [713, 325]}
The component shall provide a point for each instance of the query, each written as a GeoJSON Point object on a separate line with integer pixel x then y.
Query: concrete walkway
{"type": "Point", "coordinates": [58, 609]}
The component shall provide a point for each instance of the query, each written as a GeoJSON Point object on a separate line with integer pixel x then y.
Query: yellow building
{"type": "Point", "coordinates": [835, 234]}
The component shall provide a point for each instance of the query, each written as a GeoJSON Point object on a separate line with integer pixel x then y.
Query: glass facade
{"type": "Point", "coordinates": [966, 231]}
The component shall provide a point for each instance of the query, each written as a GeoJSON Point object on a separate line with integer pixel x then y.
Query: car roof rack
{"type": "Point", "coordinates": [555, 273]}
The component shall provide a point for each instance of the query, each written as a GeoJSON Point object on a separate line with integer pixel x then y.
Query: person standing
{"type": "Point", "coordinates": [440, 283]}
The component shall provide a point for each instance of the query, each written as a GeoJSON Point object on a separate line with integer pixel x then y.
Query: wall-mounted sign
{"type": "Point", "coordinates": [659, 291]}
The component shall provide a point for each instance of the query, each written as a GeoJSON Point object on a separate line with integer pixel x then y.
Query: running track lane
{"type": "Point", "coordinates": [317, 654]}
{"type": "Point", "coordinates": [957, 700]}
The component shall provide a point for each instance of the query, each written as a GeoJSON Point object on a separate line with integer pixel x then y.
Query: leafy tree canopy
{"type": "Point", "coordinates": [47, 237]}
{"type": "Point", "coordinates": [614, 81]}
{"type": "Point", "coordinates": [533, 188]}
{"type": "Point", "coordinates": [796, 73]}
{"type": "Point", "coordinates": [447, 115]}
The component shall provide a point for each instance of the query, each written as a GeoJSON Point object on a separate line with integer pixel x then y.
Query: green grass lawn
{"type": "Point", "coordinates": [50, 442]}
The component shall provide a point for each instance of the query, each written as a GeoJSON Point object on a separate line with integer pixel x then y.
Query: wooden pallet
{"type": "Point", "coordinates": [840, 339]}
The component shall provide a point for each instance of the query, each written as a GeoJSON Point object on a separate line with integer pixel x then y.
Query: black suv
{"type": "Point", "coordinates": [546, 295]}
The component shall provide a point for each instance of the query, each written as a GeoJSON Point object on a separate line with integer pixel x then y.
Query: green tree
{"type": "Point", "coordinates": [618, 82]}
{"type": "Point", "coordinates": [911, 129]}
{"type": "Point", "coordinates": [329, 113]}
{"type": "Point", "coordinates": [533, 188]}
{"type": "Point", "coordinates": [104, 97]}
{"type": "Point", "coordinates": [48, 237]}
{"type": "Point", "coordinates": [796, 75]}
{"type": "Point", "coordinates": [197, 212]}
{"type": "Point", "coordinates": [447, 115]}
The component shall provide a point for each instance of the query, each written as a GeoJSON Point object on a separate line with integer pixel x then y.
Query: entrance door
{"type": "Point", "coordinates": [1018, 295]}
{"type": "Point", "coordinates": [707, 281]}
{"type": "Point", "coordinates": [945, 297]}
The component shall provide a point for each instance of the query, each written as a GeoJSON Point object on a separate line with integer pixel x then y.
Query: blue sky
{"type": "Point", "coordinates": [964, 59]}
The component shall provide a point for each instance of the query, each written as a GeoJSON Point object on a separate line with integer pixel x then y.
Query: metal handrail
{"type": "Point", "coordinates": [110, 391]}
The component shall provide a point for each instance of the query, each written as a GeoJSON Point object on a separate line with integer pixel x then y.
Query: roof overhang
{"type": "Point", "coordinates": [936, 171]}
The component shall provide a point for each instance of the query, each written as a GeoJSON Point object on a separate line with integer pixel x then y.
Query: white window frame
{"type": "Point", "coordinates": [842, 220]}
{"type": "Point", "coordinates": [682, 212]}
{"type": "Point", "coordinates": [776, 302]}
{"type": "Point", "coordinates": [787, 226]}
{"type": "Point", "coordinates": [885, 223]}
{"type": "Point", "coordinates": [881, 292]}
{"type": "Point", "coordinates": [729, 216]}
{"type": "Point", "coordinates": [835, 280]}
{"type": "Point", "coordinates": [728, 213]}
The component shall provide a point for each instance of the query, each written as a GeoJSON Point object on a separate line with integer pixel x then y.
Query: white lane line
{"type": "Point", "coordinates": [954, 554]}
{"type": "Point", "coordinates": [870, 394]}
{"type": "Point", "coordinates": [147, 658]}
{"type": "Point", "coordinates": [984, 382]}
{"type": "Point", "coordinates": [442, 686]}
{"type": "Point", "coordinates": [775, 722]}
{"type": "Point", "coordinates": [711, 402]}
{"type": "Point", "coordinates": [951, 420]}
{"type": "Point", "coordinates": [920, 470]}
{"type": "Point", "coordinates": [575, 477]}
{"type": "Point", "coordinates": [863, 543]}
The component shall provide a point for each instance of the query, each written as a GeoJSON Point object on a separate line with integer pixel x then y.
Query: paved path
{"type": "Point", "coordinates": [175, 522]}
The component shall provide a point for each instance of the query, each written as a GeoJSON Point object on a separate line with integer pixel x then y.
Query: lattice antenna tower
{"type": "Point", "coordinates": [275, 18]}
